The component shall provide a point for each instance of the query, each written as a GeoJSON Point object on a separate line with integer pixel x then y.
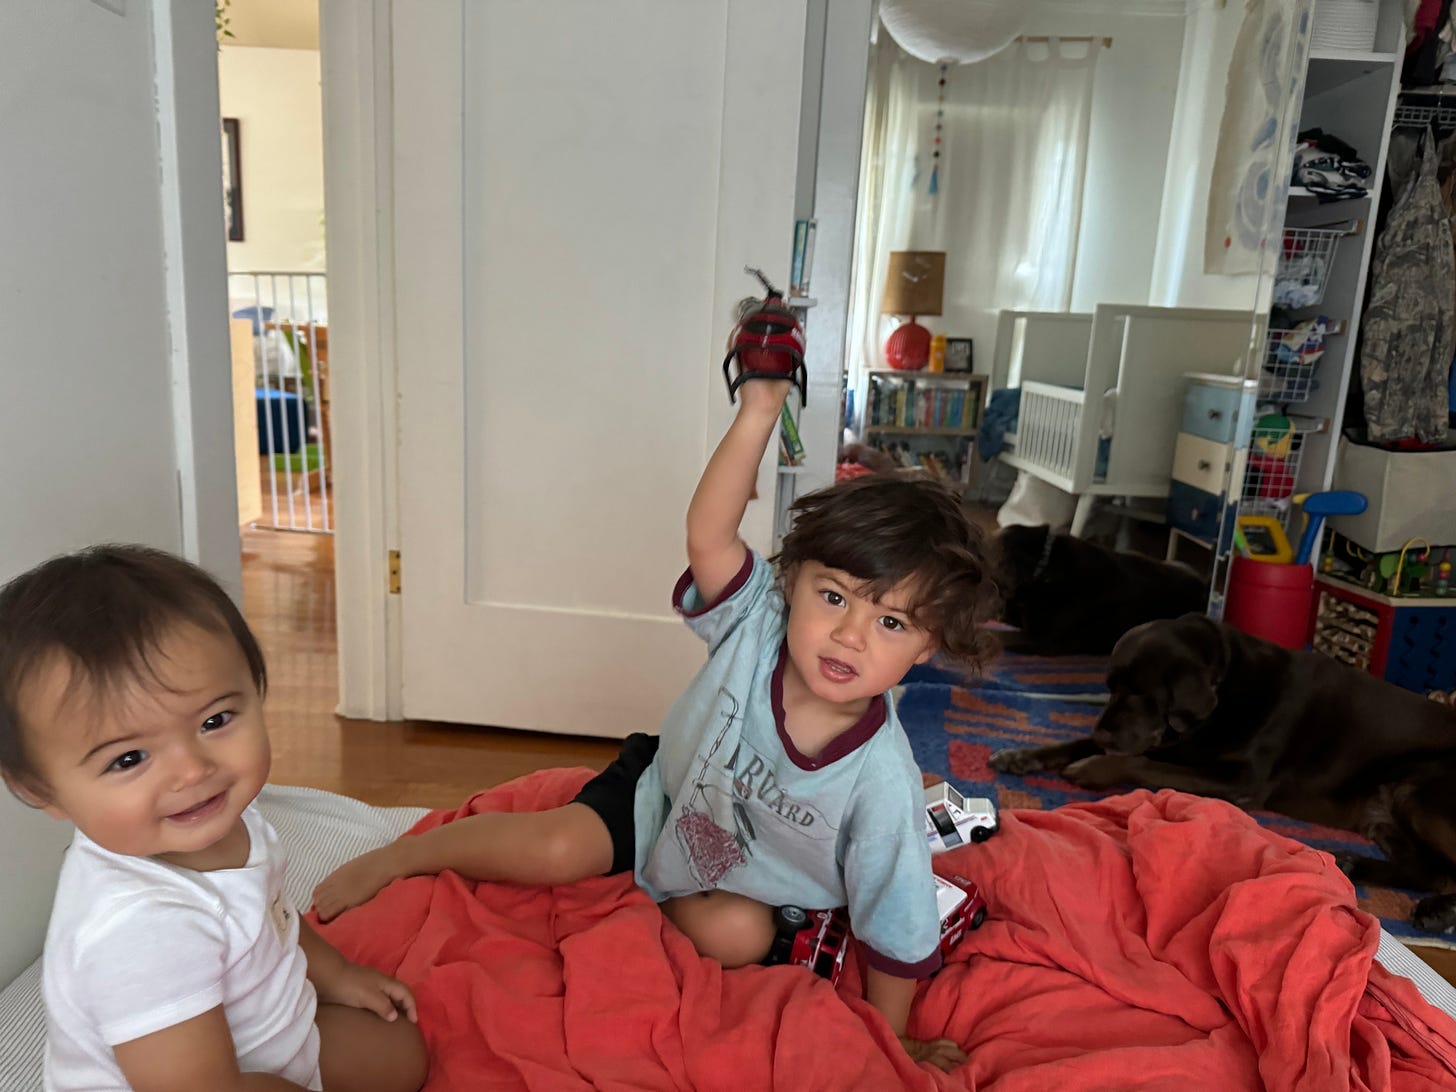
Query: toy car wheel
{"type": "Point", "coordinates": [789, 919]}
{"type": "Point", "coordinates": [980, 834]}
{"type": "Point", "coordinates": [978, 918]}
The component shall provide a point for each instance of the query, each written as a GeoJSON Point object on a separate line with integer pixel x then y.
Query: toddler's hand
{"type": "Point", "coordinates": [764, 395]}
{"type": "Point", "coordinates": [365, 988]}
{"type": "Point", "coordinates": [941, 1053]}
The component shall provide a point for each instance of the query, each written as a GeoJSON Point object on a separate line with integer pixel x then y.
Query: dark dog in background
{"type": "Point", "coordinates": [1067, 595]}
{"type": "Point", "coordinates": [1202, 708]}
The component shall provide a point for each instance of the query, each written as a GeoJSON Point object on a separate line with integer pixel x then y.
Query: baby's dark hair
{"type": "Point", "coordinates": [104, 611]}
{"type": "Point", "coordinates": [882, 530]}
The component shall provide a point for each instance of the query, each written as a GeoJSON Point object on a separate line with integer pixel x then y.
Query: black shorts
{"type": "Point", "coordinates": [613, 793]}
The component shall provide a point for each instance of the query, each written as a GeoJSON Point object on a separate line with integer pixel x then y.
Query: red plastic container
{"type": "Point", "coordinates": [1271, 601]}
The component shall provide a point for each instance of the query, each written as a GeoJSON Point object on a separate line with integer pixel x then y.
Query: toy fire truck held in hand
{"type": "Point", "coordinates": [952, 820]}
{"type": "Point", "coordinates": [819, 939]}
{"type": "Point", "coordinates": [767, 342]}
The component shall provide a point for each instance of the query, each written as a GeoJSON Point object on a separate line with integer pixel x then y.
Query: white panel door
{"type": "Point", "coordinates": [578, 186]}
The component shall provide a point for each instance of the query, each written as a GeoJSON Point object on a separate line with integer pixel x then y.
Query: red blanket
{"type": "Point", "coordinates": [1142, 941]}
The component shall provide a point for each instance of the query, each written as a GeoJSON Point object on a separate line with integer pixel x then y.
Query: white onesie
{"type": "Point", "coordinates": [136, 945]}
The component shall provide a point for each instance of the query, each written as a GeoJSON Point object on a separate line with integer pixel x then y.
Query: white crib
{"type": "Point", "coordinates": [1118, 370]}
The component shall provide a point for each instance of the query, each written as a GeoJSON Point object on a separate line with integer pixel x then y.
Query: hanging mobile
{"type": "Point", "coordinates": [767, 342]}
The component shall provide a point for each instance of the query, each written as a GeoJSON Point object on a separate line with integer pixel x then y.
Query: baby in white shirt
{"type": "Point", "coordinates": [131, 695]}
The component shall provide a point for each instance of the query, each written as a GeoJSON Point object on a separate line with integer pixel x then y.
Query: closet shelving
{"type": "Point", "coordinates": [1350, 95]}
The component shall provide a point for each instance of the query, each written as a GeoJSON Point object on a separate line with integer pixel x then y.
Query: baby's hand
{"type": "Point", "coordinates": [365, 988]}
{"type": "Point", "coordinates": [941, 1053]}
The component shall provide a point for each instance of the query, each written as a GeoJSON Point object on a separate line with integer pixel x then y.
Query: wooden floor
{"type": "Point", "coordinates": [288, 597]}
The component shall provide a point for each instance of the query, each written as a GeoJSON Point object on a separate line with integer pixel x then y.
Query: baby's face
{"type": "Point", "coordinates": [162, 767]}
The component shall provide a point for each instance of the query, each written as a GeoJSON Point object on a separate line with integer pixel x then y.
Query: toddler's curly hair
{"type": "Point", "coordinates": [885, 529]}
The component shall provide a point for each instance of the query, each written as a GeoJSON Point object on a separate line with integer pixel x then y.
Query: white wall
{"type": "Point", "coordinates": [1127, 153]}
{"type": "Point", "coordinates": [108, 201]}
{"type": "Point", "coordinates": [274, 93]}
{"type": "Point", "coordinates": [1178, 277]}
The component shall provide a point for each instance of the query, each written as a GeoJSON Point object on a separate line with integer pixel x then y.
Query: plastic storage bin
{"type": "Point", "coordinates": [1271, 601]}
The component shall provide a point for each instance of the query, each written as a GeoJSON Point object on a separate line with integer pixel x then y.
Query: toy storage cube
{"type": "Point", "coordinates": [1408, 641]}
{"type": "Point", "coordinates": [1409, 494]}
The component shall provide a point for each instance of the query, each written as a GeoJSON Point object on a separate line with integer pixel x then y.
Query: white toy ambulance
{"type": "Point", "coordinates": [953, 820]}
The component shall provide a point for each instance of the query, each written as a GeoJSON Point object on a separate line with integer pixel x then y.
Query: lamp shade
{"type": "Point", "coordinates": [953, 31]}
{"type": "Point", "coordinates": [915, 283]}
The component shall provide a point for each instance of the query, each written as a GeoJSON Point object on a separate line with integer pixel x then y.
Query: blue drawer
{"type": "Point", "coordinates": [1211, 412]}
{"type": "Point", "coordinates": [1197, 512]}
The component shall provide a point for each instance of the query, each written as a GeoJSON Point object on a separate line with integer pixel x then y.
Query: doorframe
{"type": "Point", "coordinates": [355, 43]}
{"type": "Point", "coordinates": [184, 60]}
{"type": "Point", "coordinates": [355, 39]}
{"type": "Point", "coordinates": [836, 75]}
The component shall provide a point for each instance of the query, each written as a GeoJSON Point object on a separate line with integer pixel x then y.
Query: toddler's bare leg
{"type": "Point", "coordinates": [562, 845]}
{"type": "Point", "coordinates": [733, 929]}
{"type": "Point", "coordinates": [359, 1052]}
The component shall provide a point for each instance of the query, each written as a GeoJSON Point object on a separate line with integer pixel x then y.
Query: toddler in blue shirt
{"type": "Point", "coordinates": [781, 775]}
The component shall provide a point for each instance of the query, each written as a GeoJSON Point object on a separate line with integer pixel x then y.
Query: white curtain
{"type": "Point", "coordinates": [1010, 180]}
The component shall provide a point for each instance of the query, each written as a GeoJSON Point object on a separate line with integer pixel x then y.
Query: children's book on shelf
{"type": "Point", "coordinates": [803, 258]}
{"type": "Point", "coordinates": [939, 460]}
{"type": "Point", "coordinates": [894, 404]}
{"type": "Point", "coordinates": [791, 446]}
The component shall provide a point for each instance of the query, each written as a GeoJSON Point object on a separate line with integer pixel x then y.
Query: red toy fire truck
{"type": "Point", "coordinates": [819, 939]}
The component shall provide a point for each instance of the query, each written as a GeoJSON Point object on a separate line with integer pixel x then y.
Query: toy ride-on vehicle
{"type": "Point", "coordinates": [952, 819]}
{"type": "Point", "coordinates": [819, 939]}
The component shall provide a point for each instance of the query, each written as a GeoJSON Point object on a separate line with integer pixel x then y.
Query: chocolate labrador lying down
{"type": "Point", "coordinates": [1202, 708]}
{"type": "Point", "coordinates": [1067, 595]}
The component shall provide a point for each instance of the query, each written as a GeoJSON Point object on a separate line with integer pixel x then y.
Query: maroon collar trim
{"type": "Point", "coordinates": [848, 741]}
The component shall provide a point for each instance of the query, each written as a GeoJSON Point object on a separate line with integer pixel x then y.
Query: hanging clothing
{"type": "Point", "coordinates": [1410, 323]}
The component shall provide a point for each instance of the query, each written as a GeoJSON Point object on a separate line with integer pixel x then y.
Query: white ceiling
{"type": "Point", "coordinates": [293, 24]}
{"type": "Point", "coordinates": [276, 24]}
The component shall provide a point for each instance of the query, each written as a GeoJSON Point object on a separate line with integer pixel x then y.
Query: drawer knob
{"type": "Point", "coordinates": [1215, 414]}
{"type": "Point", "coordinates": [1204, 464]}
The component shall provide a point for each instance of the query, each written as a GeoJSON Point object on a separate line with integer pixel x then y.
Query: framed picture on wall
{"type": "Point", "coordinates": [232, 179]}
{"type": "Point", "coordinates": [958, 354]}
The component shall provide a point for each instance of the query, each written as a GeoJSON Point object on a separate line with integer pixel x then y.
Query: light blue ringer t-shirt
{"type": "Point", "coordinates": [729, 802]}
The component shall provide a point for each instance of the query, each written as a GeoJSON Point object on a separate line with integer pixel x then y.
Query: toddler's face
{"type": "Point", "coordinates": [846, 646]}
{"type": "Point", "coordinates": [164, 766]}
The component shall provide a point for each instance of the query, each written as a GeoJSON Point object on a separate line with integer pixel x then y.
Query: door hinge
{"type": "Point", "coordinates": [393, 572]}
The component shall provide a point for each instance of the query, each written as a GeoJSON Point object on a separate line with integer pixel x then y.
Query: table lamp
{"type": "Point", "coordinates": [914, 286]}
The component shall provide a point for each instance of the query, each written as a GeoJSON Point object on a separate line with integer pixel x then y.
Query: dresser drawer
{"type": "Point", "coordinates": [1212, 406]}
{"type": "Point", "coordinates": [1212, 411]}
{"type": "Point", "coordinates": [1202, 463]}
{"type": "Point", "coordinates": [1194, 510]}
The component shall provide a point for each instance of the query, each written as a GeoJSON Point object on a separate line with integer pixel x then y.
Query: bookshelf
{"type": "Point", "coordinates": [926, 419]}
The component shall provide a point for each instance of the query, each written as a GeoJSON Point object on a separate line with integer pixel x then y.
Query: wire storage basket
{"type": "Point", "coordinates": [1412, 115]}
{"type": "Point", "coordinates": [1290, 360]}
{"type": "Point", "coordinates": [1304, 266]}
{"type": "Point", "coordinates": [1272, 471]}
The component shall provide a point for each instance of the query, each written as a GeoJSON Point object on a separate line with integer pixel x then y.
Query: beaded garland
{"type": "Point", "coordinates": [939, 126]}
